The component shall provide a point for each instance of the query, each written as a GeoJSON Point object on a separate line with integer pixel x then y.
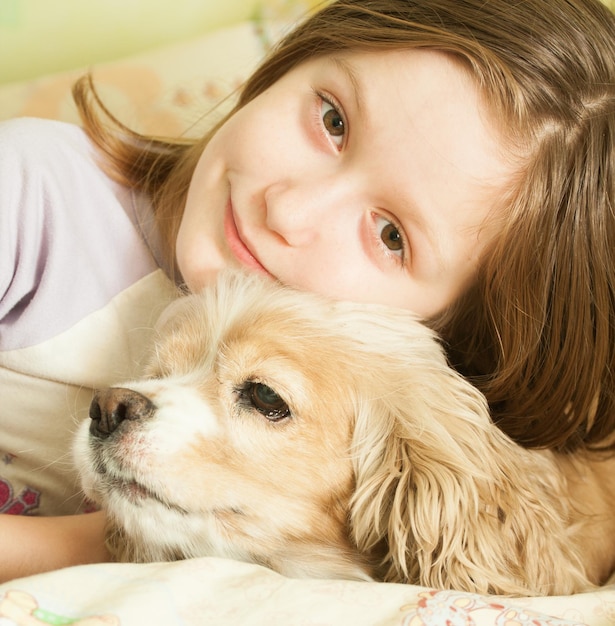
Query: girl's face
{"type": "Point", "coordinates": [362, 176]}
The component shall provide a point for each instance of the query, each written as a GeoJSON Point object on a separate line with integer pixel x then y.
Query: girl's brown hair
{"type": "Point", "coordinates": [536, 331]}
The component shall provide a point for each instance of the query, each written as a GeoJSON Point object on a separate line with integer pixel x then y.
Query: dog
{"type": "Point", "coordinates": [331, 439]}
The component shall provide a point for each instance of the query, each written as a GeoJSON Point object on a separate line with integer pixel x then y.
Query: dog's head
{"type": "Point", "coordinates": [318, 438]}
{"type": "Point", "coordinates": [237, 440]}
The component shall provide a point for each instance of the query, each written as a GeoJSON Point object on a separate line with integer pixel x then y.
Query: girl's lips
{"type": "Point", "coordinates": [239, 249]}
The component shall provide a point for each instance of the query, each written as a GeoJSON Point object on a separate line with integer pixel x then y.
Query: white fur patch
{"type": "Point", "coordinates": [181, 414]}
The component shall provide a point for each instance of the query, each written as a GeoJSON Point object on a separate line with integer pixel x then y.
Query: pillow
{"type": "Point", "coordinates": [166, 91]}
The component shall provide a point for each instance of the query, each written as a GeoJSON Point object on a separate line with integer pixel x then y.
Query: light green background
{"type": "Point", "coordinates": [42, 36]}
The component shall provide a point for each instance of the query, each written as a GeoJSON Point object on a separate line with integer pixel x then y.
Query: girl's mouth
{"type": "Point", "coordinates": [238, 247]}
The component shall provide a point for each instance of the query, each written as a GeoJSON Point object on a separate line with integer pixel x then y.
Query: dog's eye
{"type": "Point", "coordinates": [265, 400]}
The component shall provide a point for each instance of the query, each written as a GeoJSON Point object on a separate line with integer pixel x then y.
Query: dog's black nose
{"type": "Point", "coordinates": [110, 407]}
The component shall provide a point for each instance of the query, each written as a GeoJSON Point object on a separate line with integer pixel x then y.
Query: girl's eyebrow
{"type": "Point", "coordinates": [353, 78]}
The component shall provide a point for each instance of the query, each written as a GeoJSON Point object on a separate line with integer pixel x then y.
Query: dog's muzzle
{"type": "Point", "coordinates": [111, 407]}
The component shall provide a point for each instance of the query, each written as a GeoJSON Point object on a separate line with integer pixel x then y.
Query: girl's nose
{"type": "Point", "coordinates": [299, 213]}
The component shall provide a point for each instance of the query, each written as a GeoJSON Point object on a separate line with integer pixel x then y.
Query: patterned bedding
{"type": "Point", "coordinates": [222, 592]}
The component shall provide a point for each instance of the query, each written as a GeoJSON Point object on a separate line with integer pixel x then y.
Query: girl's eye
{"type": "Point", "coordinates": [390, 235]}
{"type": "Point", "coordinates": [333, 122]}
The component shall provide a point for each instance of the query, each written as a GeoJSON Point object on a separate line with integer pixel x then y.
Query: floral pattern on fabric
{"type": "Point", "coordinates": [453, 608]}
{"type": "Point", "coordinates": [19, 607]}
{"type": "Point", "coordinates": [24, 503]}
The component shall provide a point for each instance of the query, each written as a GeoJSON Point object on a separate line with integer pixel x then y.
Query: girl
{"type": "Point", "coordinates": [453, 157]}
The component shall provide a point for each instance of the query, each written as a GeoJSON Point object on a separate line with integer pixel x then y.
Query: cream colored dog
{"type": "Point", "coordinates": [332, 439]}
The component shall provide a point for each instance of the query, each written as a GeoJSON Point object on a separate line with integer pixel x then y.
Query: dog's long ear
{"type": "Point", "coordinates": [445, 496]}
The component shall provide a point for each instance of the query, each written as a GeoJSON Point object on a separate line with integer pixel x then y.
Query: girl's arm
{"type": "Point", "coordinates": [30, 545]}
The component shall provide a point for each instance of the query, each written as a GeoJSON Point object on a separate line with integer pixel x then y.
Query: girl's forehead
{"type": "Point", "coordinates": [414, 78]}
{"type": "Point", "coordinates": [386, 71]}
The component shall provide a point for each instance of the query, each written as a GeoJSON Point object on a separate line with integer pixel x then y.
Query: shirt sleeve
{"type": "Point", "coordinates": [68, 241]}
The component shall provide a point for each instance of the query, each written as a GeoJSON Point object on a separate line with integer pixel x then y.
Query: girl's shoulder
{"type": "Point", "coordinates": [37, 154]}
{"type": "Point", "coordinates": [25, 139]}
{"type": "Point", "coordinates": [69, 239]}
{"type": "Point", "coordinates": [35, 128]}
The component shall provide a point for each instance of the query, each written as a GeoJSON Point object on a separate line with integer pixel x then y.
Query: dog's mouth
{"type": "Point", "coordinates": [133, 491]}
{"type": "Point", "coordinates": [130, 489]}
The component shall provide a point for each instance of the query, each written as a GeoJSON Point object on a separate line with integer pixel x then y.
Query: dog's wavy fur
{"type": "Point", "coordinates": [387, 467]}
